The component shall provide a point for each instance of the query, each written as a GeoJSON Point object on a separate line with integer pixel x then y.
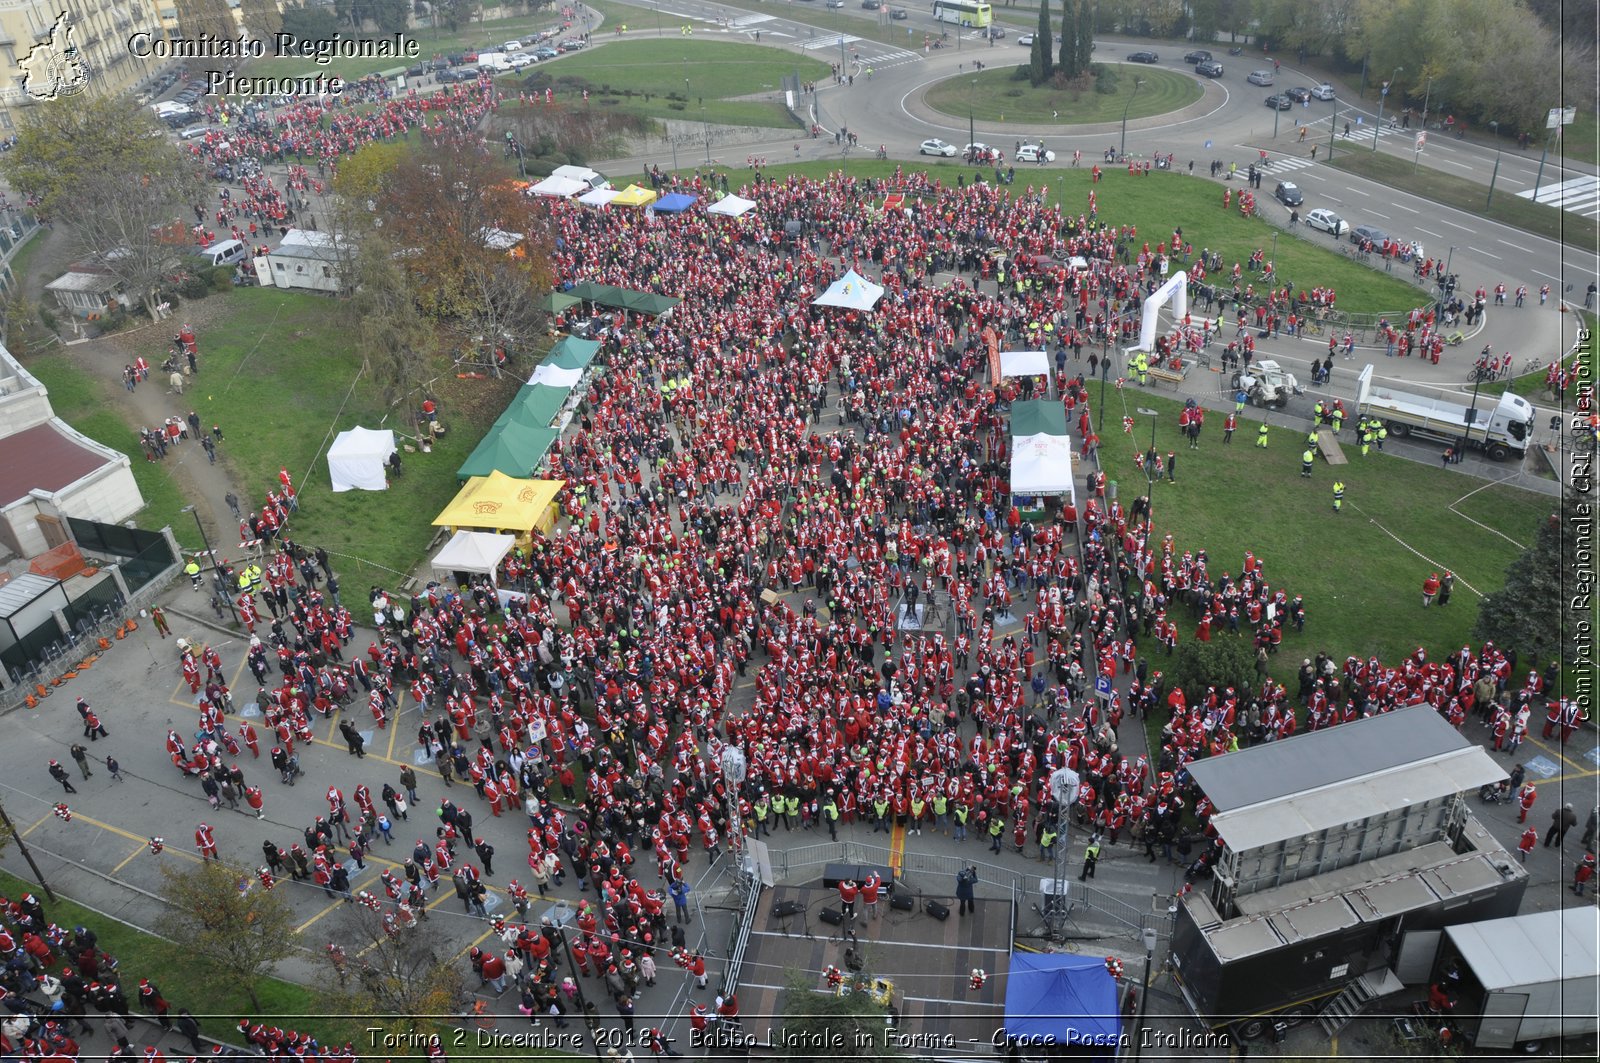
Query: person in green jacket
{"type": "Point", "coordinates": [1091, 857]}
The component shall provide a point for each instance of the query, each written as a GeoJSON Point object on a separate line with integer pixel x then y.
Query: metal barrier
{"type": "Point", "coordinates": [787, 863]}
{"type": "Point", "coordinates": [1118, 910]}
{"type": "Point", "coordinates": [739, 939]}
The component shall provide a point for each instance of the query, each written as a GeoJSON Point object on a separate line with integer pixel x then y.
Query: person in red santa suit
{"type": "Point", "coordinates": [205, 840]}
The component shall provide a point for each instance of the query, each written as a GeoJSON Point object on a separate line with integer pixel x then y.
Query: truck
{"type": "Point", "coordinates": [1523, 982]}
{"type": "Point", "coordinates": [499, 62]}
{"type": "Point", "coordinates": [1502, 427]}
{"type": "Point", "coordinates": [1266, 383]}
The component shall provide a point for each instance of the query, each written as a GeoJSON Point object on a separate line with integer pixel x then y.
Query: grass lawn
{"type": "Point", "coordinates": [1154, 205]}
{"type": "Point", "coordinates": [1470, 196]}
{"type": "Point", "coordinates": [714, 69]}
{"type": "Point", "coordinates": [217, 1004]}
{"type": "Point", "coordinates": [998, 97]}
{"type": "Point", "coordinates": [278, 375]}
{"type": "Point", "coordinates": [430, 43]}
{"type": "Point", "coordinates": [1360, 571]}
{"type": "Point", "coordinates": [80, 401]}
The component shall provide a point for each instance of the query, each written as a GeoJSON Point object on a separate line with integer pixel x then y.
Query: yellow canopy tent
{"type": "Point", "coordinates": [498, 502]}
{"type": "Point", "coordinates": [634, 196]}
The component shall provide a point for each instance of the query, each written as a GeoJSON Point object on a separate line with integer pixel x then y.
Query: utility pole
{"type": "Point", "coordinates": [1494, 176]}
{"type": "Point", "coordinates": [1383, 98]}
{"type": "Point", "coordinates": [27, 854]}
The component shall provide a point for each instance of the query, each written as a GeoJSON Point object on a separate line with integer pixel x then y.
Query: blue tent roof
{"type": "Point", "coordinates": [675, 203]}
{"type": "Point", "coordinates": [1071, 999]}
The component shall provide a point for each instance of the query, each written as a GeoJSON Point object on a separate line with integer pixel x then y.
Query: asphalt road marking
{"type": "Point", "coordinates": [1358, 192]}
{"type": "Point", "coordinates": [1546, 276]}
{"type": "Point", "coordinates": [1402, 206]}
{"type": "Point", "coordinates": [1435, 235]}
{"type": "Point", "coordinates": [1485, 254]}
{"type": "Point", "coordinates": [1375, 214]}
{"type": "Point", "coordinates": [1519, 247]}
{"type": "Point", "coordinates": [1453, 225]}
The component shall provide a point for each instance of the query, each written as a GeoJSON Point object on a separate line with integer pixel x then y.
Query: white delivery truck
{"type": "Point", "coordinates": [498, 62]}
{"type": "Point", "coordinates": [1527, 982]}
{"type": "Point", "coordinates": [1499, 425]}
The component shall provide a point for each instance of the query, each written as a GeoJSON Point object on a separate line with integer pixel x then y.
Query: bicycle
{"type": "Point", "coordinates": [1532, 365]}
{"type": "Point", "coordinates": [1311, 328]}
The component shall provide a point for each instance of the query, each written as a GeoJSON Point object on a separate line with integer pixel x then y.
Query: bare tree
{"type": "Point", "coordinates": [394, 972]}
{"type": "Point", "coordinates": [228, 921]}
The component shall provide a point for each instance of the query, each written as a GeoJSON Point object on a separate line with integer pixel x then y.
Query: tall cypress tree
{"type": "Point", "coordinates": [1068, 63]}
{"type": "Point", "coordinates": [1085, 36]}
{"type": "Point", "coordinates": [1043, 61]}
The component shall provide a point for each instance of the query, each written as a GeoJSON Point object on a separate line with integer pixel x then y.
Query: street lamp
{"type": "Point", "coordinates": [1137, 83]}
{"type": "Point", "coordinates": [1416, 152]}
{"type": "Point", "coordinates": [1382, 97]}
{"type": "Point", "coordinates": [216, 569]}
{"type": "Point", "coordinates": [1144, 991]}
{"type": "Point", "coordinates": [1105, 374]}
{"type": "Point", "coordinates": [27, 854]}
{"type": "Point", "coordinates": [972, 129]}
{"type": "Point", "coordinates": [1496, 127]}
{"type": "Point", "coordinates": [1149, 464]}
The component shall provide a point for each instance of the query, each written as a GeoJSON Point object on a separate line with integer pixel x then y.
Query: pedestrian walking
{"type": "Point", "coordinates": [1562, 820]}
{"type": "Point", "coordinates": [1583, 873]}
{"type": "Point", "coordinates": [59, 774]}
{"type": "Point", "coordinates": [81, 755]}
{"type": "Point", "coordinates": [352, 739]}
{"type": "Point", "coordinates": [114, 769]}
{"type": "Point", "coordinates": [159, 618]}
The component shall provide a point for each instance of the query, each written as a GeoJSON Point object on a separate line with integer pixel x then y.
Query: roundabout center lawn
{"type": "Point", "coordinates": [716, 70]}
{"type": "Point", "coordinates": [999, 98]}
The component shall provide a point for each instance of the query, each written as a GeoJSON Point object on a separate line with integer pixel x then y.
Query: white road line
{"type": "Point", "coordinates": [1452, 162]}
{"type": "Point", "coordinates": [1453, 225]}
{"type": "Point", "coordinates": [1330, 199]}
{"type": "Point", "coordinates": [1402, 206]}
{"type": "Point", "coordinates": [1485, 254]}
{"type": "Point", "coordinates": [1519, 247]}
{"type": "Point", "coordinates": [1358, 192]}
{"type": "Point", "coordinates": [1435, 235]}
{"type": "Point", "coordinates": [1316, 177]}
{"type": "Point", "coordinates": [1375, 214]}
{"type": "Point", "coordinates": [1546, 276]}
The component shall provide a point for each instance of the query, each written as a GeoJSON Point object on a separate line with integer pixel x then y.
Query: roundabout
{"type": "Point", "coordinates": [998, 96]}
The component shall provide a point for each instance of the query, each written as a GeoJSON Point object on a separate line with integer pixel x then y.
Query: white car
{"type": "Point", "coordinates": [1026, 40]}
{"type": "Point", "coordinates": [511, 46]}
{"type": "Point", "coordinates": [1323, 91]}
{"type": "Point", "coordinates": [1035, 153]}
{"type": "Point", "coordinates": [518, 60]}
{"type": "Point", "coordinates": [938, 147]}
{"type": "Point", "coordinates": [981, 152]}
{"type": "Point", "coordinates": [1326, 220]}
{"type": "Point", "coordinates": [1260, 77]}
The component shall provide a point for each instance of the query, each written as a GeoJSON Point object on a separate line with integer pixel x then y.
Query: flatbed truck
{"type": "Point", "coordinates": [1501, 427]}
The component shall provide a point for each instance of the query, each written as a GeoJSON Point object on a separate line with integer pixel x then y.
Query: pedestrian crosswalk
{"type": "Point", "coordinates": [1580, 195]}
{"type": "Point", "coordinates": [830, 40]}
{"type": "Point", "coordinates": [746, 21]}
{"type": "Point", "coordinates": [894, 57]}
{"type": "Point", "coordinates": [1285, 164]}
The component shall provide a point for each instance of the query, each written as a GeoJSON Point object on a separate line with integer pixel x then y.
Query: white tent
{"type": "Point", "coordinates": [357, 457]}
{"type": "Point", "coordinates": [1041, 464]}
{"type": "Point", "coordinates": [732, 206]}
{"type": "Point", "coordinates": [1024, 363]}
{"type": "Point", "coordinates": [852, 292]}
{"type": "Point", "coordinates": [556, 376]}
{"type": "Point", "coordinates": [475, 552]}
{"type": "Point", "coordinates": [559, 187]}
{"type": "Point", "coordinates": [599, 197]}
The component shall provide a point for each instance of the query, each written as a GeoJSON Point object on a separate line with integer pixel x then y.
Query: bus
{"type": "Point", "coordinates": [963, 12]}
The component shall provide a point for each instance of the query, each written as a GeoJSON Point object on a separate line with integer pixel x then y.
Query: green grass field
{"type": "Point", "coordinates": [1360, 571]}
{"type": "Point", "coordinates": [713, 69]}
{"type": "Point", "coordinates": [995, 96]}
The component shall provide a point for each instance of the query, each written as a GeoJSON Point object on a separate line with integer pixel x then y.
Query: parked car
{"type": "Point", "coordinates": [935, 146]}
{"type": "Point", "coordinates": [1323, 91]}
{"type": "Point", "coordinates": [1278, 101]}
{"type": "Point", "coordinates": [1260, 77]}
{"type": "Point", "coordinates": [1368, 232]}
{"type": "Point", "coordinates": [1197, 57]}
{"type": "Point", "coordinates": [871, 5]}
{"type": "Point", "coordinates": [571, 44]}
{"type": "Point", "coordinates": [1299, 94]}
{"type": "Point", "coordinates": [511, 46]}
{"type": "Point", "coordinates": [1327, 221]}
{"type": "Point", "coordinates": [1210, 69]}
{"type": "Point", "coordinates": [1288, 193]}
{"type": "Point", "coordinates": [1026, 40]}
{"type": "Point", "coordinates": [981, 152]}
{"type": "Point", "coordinates": [898, 14]}
{"type": "Point", "coordinates": [1035, 153]}
{"type": "Point", "coordinates": [194, 132]}
{"type": "Point", "coordinates": [1143, 57]}
{"type": "Point", "coordinates": [519, 60]}
{"type": "Point", "coordinates": [545, 53]}
{"type": "Point", "coordinates": [835, 3]}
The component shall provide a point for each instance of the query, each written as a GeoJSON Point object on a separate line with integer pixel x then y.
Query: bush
{"type": "Point", "coordinates": [192, 286]}
{"type": "Point", "coordinates": [677, 106]}
{"type": "Point", "coordinates": [222, 279]}
{"type": "Point", "coordinates": [48, 317]}
{"type": "Point", "coordinates": [1015, 94]}
{"type": "Point", "coordinates": [1105, 79]}
{"type": "Point", "coordinates": [1225, 661]}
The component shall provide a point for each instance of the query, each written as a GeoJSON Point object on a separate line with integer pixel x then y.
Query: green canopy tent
{"type": "Point", "coordinates": [512, 448]}
{"type": "Point", "coordinates": [610, 295]}
{"type": "Point", "coordinates": [556, 302]}
{"type": "Point", "coordinates": [564, 366]}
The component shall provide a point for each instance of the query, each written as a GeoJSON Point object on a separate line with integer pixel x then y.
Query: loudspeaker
{"type": "Point", "coordinates": [831, 916]}
{"type": "Point", "coordinates": [902, 902]}
{"type": "Point", "coordinates": [785, 909]}
{"type": "Point", "coordinates": [938, 911]}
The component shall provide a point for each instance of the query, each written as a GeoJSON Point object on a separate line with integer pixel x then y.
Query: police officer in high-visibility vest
{"type": "Point", "coordinates": [1306, 458]}
{"type": "Point", "coordinates": [763, 809]}
{"type": "Point", "coordinates": [880, 813]}
{"type": "Point", "coordinates": [1091, 857]}
{"type": "Point", "coordinates": [961, 814]}
{"type": "Point", "coordinates": [192, 570]}
{"type": "Point", "coordinates": [1047, 842]}
{"type": "Point", "coordinates": [791, 810]}
{"type": "Point", "coordinates": [1338, 495]}
{"type": "Point", "coordinates": [997, 826]}
{"type": "Point", "coordinates": [941, 812]}
{"type": "Point", "coordinates": [918, 807]}
{"type": "Point", "coordinates": [830, 815]}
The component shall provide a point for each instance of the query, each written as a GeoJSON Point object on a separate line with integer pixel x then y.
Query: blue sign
{"type": "Point", "coordinates": [1543, 767]}
{"type": "Point", "coordinates": [1102, 687]}
{"type": "Point", "coordinates": [1208, 143]}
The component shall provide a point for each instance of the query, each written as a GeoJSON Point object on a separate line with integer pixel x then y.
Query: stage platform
{"type": "Point", "coordinates": [928, 961]}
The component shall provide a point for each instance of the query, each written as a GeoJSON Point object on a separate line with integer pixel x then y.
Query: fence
{"type": "Point", "coordinates": [144, 555]}
{"type": "Point", "coordinates": [739, 936]}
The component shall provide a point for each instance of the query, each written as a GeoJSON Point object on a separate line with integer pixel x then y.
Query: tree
{"type": "Point", "coordinates": [396, 977]}
{"type": "Point", "coordinates": [261, 17]}
{"type": "Point", "coordinates": [310, 22]}
{"type": "Point", "coordinates": [823, 1026]}
{"type": "Point", "coordinates": [392, 338]}
{"type": "Point", "coordinates": [100, 170]}
{"type": "Point", "coordinates": [391, 16]}
{"type": "Point", "coordinates": [228, 921]}
{"type": "Point", "coordinates": [455, 13]}
{"type": "Point", "coordinates": [1068, 62]}
{"type": "Point", "coordinates": [17, 317]}
{"type": "Point", "coordinates": [204, 17]}
{"type": "Point", "coordinates": [1085, 36]}
{"type": "Point", "coordinates": [1529, 613]}
{"type": "Point", "coordinates": [1043, 45]}
{"type": "Point", "coordinates": [476, 249]}
{"type": "Point", "coordinates": [1225, 661]}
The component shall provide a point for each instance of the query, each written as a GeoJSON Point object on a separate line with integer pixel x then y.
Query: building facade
{"type": "Point", "coordinates": [101, 31]}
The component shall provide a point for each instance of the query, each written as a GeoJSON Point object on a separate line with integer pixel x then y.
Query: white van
{"type": "Point", "coordinates": [226, 253]}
